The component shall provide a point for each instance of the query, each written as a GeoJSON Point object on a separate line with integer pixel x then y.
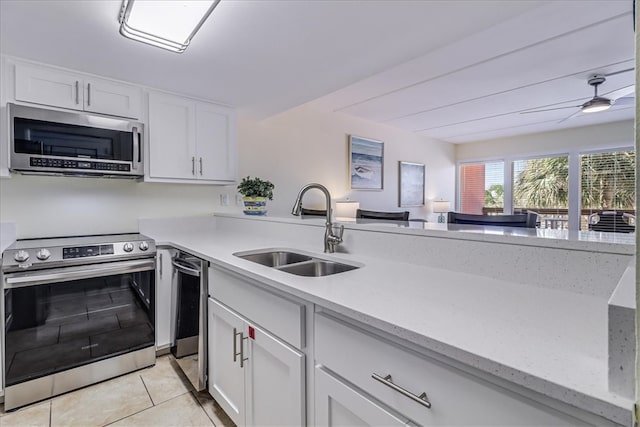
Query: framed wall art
{"type": "Point", "coordinates": [411, 182]}
{"type": "Point", "coordinates": [366, 163]}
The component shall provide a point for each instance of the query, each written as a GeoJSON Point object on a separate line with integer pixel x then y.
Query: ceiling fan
{"type": "Point", "coordinates": [598, 103]}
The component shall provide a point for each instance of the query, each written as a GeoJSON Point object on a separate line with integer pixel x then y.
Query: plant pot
{"type": "Point", "coordinates": [255, 205]}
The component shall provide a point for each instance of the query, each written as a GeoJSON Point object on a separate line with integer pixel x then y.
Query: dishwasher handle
{"type": "Point", "coordinates": [186, 267]}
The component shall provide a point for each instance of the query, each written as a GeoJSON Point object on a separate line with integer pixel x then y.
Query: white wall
{"type": "Point", "coordinates": [304, 145]}
{"type": "Point", "coordinates": [596, 137]}
{"type": "Point", "coordinates": [54, 206]}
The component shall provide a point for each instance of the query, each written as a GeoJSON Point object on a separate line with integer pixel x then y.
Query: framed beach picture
{"type": "Point", "coordinates": [366, 161]}
{"type": "Point", "coordinates": [411, 179]}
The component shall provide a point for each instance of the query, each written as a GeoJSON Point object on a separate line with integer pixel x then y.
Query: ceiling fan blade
{"type": "Point", "coordinates": [619, 72]}
{"type": "Point", "coordinates": [549, 109]}
{"type": "Point", "coordinates": [622, 92]}
{"type": "Point", "coordinates": [627, 100]}
{"type": "Point", "coordinates": [573, 115]}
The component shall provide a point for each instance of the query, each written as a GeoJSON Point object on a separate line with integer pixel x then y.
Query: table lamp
{"type": "Point", "coordinates": [441, 206]}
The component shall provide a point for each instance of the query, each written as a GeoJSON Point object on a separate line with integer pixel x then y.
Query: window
{"type": "Point", "coordinates": [482, 188]}
{"type": "Point", "coordinates": [580, 191]}
{"type": "Point", "coordinates": [607, 184]}
{"type": "Point", "coordinates": [542, 186]}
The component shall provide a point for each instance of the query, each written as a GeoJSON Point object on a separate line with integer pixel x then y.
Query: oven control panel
{"type": "Point", "coordinates": [86, 251]}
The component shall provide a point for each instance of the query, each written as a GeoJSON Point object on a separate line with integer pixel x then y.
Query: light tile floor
{"type": "Point", "coordinates": [156, 396]}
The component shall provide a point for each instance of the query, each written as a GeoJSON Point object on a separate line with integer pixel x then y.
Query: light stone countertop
{"type": "Point", "coordinates": [551, 341]}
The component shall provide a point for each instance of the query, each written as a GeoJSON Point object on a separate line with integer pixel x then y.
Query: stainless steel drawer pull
{"type": "Point", "coordinates": [77, 92]}
{"type": "Point", "coordinates": [88, 94]}
{"type": "Point", "coordinates": [193, 165]}
{"type": "Point", "coordinates": [422, 399]}
{"type": "Point", "coordinates": [201, 166]}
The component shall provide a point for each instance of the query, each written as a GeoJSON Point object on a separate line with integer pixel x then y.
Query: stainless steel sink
{"type": "Point", "coordinates": [275, 259]}
{"type": "Point", "coordinates": [317, 268]}
{"type": "Point", "coordinates": [296, 263]}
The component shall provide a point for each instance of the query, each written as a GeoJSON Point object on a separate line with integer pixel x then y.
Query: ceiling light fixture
{"type": "Point", "coordinates": [596, 104]}
{"type": "Point", "coordinates": [167, 24]}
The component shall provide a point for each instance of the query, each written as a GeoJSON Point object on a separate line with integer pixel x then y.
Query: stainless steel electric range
{"type": "Point", "coordinates": [75, 311]}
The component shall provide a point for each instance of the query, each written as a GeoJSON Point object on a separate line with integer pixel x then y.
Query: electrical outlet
{"type": "Point", "coordinates": [224, 200]}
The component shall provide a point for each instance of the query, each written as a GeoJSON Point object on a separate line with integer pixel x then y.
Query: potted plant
{"type": "Point", "coordinates": [255, 192]}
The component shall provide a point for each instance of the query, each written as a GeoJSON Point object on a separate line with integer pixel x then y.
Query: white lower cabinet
{"type": "Point", "coordinates": [255, 377]}
{"type": "Point", "coordinates": [424, 390]}
{"type": "Point", "coordinates": [339, 405]}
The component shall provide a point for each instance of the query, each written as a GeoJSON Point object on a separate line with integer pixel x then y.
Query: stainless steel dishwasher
{"type": "Point", "coordinates": [189, 317]}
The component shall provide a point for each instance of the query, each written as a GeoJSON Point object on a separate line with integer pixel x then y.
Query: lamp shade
{"type": "Point", "coordinates": [440, 206]}
{"type": "Point", "coordinates": [346, 209]}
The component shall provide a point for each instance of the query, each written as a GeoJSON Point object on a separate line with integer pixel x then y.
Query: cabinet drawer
{"type": "Point", "coordinates": [455, 396]}
{"type": "Point", "coordinates": [278, 315]}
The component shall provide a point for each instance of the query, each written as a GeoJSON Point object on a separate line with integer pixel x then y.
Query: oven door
{"type": "Point", "coordinates": [63, 318]}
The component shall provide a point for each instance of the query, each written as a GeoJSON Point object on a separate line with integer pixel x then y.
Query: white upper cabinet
{"type": "Point", "coordinates": [190, 141]}
{"type": "Point", "coordinates": [107, 97]}
{"type": "Point", "coordinates": [214, 131]}
{"type": "Point", "coordinates": [172, 140]}
{"type": "Point", "coordinates": [49, 86]}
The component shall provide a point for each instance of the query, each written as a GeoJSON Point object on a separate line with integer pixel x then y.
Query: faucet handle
{"type": "Point", "coordinates": [340, 232]}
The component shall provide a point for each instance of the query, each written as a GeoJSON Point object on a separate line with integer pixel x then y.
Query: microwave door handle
{"type": "Point", "coordinates": [136, 148]}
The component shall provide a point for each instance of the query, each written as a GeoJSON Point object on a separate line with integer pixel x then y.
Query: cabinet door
{"type": "Point", "coordinates": [339, 405]}
{"type": "Point", "coordinates": [49, 87]}
{"type": "Point", "coordinates": [275, 382]}
{"type": "Point", "coordinates": [107, 97]}
{"type": "Point", "coordinates": [215, 142]}
{"type": "Point", "coordinates": [164, 277]}
{"type": "Point", "coordinates": [171, 137]}
{"type": "Point", "coordinates": [226, 378]}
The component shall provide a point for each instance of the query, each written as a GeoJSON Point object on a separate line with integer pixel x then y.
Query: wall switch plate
{"type": "Point", "coordinates": [238, 199]}
{"type": "Point", "coordinates": [224, 200]}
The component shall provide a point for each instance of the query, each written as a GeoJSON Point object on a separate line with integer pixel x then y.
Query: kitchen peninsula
{"type": "Point", "coordinates": [498, 310]}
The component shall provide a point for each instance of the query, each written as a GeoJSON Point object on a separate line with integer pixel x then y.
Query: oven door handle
{"type": "Point", "coordinates": [65, 274]}
{"type": "Point", "coordinates": [185, 267]}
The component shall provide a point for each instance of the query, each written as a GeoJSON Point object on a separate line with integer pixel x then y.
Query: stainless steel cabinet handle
{"type": "Point", "coordinates": [160, 264]}
{"type": "Point", "coordinates": [200, 166]}
{"type": "Point", "coordinates": [422, 399]}
{"type": "Point", "coordinates": [77, 92]}
{"type": "Point", "coordinates": [88, 94]}
{"type": "Point", "coordinates": [193, 165]}
{"type": "Point", "coordinates": [235, 353]}
{"type": "Point", "coordinates": [242, 358]}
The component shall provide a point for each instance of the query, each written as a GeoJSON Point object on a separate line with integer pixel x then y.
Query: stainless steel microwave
{"type": "Point", "coordinates": [63, 143]}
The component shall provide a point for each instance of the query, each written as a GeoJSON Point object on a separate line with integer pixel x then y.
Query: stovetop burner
{"type": "Point", "coordinates": [77, 250]}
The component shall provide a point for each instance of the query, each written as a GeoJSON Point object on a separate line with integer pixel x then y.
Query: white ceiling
{"type": "Point", "coordinates": [458, 70]}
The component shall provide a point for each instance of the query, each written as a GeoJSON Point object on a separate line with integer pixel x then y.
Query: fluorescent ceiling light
{"type": "Point", "coordinates": [167, 24]}
{"type": "Point", "coordinates": [596, 104]}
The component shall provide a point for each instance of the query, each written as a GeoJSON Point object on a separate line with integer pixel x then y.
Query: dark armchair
{"type": "Point", "coordinates": [612, 221]}
{"type": "Point", "coordinates": [527, 220]}
{"type": "Point", "coordinates": [313, 212]}
{"type": "Point", "coordinates": [389, 216]}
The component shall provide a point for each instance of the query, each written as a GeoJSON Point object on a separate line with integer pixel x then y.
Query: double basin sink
{"type": "Point", "coordinates": [296, 263]}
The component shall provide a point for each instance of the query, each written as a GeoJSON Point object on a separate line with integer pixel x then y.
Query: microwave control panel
{"type": "Point", "coordinates": [45, 162]}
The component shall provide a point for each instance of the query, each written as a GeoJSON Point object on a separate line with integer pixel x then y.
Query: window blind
{"type": "Point", "coordinates": [607, 191]}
